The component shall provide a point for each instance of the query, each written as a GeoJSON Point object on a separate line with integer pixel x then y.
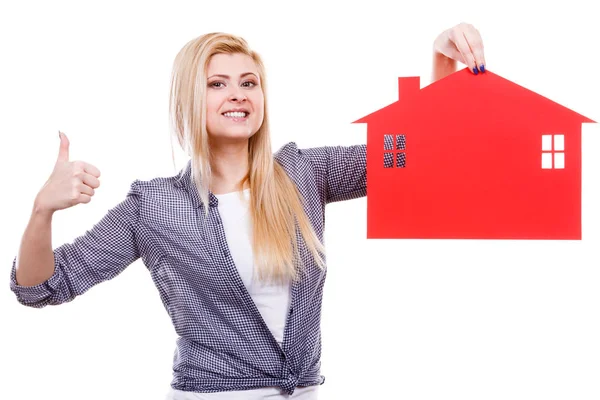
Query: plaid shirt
{"type": "Point", "coordinates": [224, 343]}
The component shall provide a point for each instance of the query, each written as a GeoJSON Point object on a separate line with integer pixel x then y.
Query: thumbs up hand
{"type": "Point", "coordinates": [71, 182]}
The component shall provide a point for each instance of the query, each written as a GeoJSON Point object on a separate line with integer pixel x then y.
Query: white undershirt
{"type": "Point", "coordinates": [271, 299]}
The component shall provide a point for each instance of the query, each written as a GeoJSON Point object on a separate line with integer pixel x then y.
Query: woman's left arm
{"type": "Point", "coordinates": [342, 169]}
{"type": "Point", "coordinates": [460, 43]}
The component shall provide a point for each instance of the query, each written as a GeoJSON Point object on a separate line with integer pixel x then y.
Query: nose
{"type": "Point", "coordinates": [237, 94]}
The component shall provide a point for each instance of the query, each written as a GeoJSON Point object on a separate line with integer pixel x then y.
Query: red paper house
{"type": "Point", "coordinates": [473, 157]}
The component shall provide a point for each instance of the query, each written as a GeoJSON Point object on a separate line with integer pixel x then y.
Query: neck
{"type": "Point", "coordinates": [229, 166]}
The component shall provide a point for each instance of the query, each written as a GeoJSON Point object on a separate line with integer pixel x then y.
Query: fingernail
{"type": "Point", "coordinates": [482, 68]}
{"type": "Point", "coordinates": [59, 134]}
{"type": "Point", "coordinates": [475, 71]}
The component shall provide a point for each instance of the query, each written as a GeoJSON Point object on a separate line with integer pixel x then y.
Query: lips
{"type": "Point", "coordinates": [238, 117]}
{"type": "Point", "coordinates": [244, 110]}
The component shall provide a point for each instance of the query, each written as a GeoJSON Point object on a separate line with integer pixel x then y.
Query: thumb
{"type": "Point", "coordinates": [63, 152]}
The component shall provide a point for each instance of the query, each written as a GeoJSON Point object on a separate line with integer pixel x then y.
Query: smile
{"type": "Point", "coordinates": [236, 116]}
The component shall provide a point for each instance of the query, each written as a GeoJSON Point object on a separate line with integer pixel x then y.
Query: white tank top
{"type": "Point", "coordinates": [272, 300]}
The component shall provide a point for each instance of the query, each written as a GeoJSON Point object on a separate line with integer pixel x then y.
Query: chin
{"type": "Point", "coordinates": [232, 136]}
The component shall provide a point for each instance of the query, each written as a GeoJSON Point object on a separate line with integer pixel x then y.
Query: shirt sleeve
{"type": "Point", "coordinates": [100, 254]}
{"type": "Point", "coordinates": [343, 170]}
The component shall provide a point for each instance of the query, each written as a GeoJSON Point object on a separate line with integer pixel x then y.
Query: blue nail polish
{"type": "Point", "coordinates": [482, 68]}
{"type": "Point", "coordinates": [475, 71]}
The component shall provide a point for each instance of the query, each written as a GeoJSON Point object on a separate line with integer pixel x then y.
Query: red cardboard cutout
{"type": "Point", "coordinates": [473, 157]}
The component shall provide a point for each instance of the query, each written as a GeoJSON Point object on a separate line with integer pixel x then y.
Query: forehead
{"type": "Point", "coordinates": [231, 64]}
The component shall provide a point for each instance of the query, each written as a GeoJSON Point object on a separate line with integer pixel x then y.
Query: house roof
{"type": "Point", "coordinates": [464, 85]}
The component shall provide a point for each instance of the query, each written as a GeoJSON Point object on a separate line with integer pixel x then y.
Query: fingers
{"type": "Point", "coordinates": [83, 192]}
{"type": "Point", "coordinates": [460, 41]}
{"type": "Point", "coordinates": [90, 181]}
{"type": "Point", "coordinates": [470, 45]}
{"type": "Point", "coordinates": [84, 198]}
{"type": "Point", "coordinates": [85, 189]}
{"type": "Point", "coordinates": [63, 151]}
{"type": "Point", "coordinates": [86, 168]}
{"type": "Point", "coordinates": [63, 155]}
{"type": "Point", "coordinates": [87, 175]}
{"type": "Point", "coordinates": [473, 38]}
{"type": "Point", "coordinates": [90, 169]}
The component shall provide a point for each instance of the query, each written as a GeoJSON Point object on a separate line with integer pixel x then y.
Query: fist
{"type": "Point", "coordinates": [71, 182]}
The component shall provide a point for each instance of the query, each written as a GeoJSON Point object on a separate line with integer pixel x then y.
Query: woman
{"type": "Point", "coordinates": [233, 242]}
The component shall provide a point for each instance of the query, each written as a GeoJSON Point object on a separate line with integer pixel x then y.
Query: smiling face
{"type": "Point", "coordinates": [234, 98]}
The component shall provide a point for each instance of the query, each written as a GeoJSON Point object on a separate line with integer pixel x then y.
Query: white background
{"type": "Point", "coordinates": [402, 319]}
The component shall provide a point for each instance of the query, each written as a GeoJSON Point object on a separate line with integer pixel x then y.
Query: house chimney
{"type": "Point", "coordinates": [408, 86]}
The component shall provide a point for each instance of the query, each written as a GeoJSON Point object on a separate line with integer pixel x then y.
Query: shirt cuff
{"type": "Point", "coordinates": [38, 295]}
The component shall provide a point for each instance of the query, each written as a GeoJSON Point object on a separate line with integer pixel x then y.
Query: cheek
{"type": "Point", "coordinates": [211, 106]}
{"type": "Point", "coordinates": [212, 119]}
{"type": "Point", "coordinates": [212, 110]}
{"type": "Point", "coordinates": [260, 117]}
{"type": "Point", "coordinates": [259, 106]}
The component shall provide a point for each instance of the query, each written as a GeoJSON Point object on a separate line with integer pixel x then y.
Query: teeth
{"type": "Point", "coordinates": [236, 114]}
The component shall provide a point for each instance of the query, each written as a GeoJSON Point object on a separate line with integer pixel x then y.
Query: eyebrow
{"type": "Point", "coordinates": [227, 76]}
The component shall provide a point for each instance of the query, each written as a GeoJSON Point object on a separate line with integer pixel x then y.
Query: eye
{"type": "Point", "coordinates": [216, 83]}
{"type": "Point", "coordinates": [251, 82]}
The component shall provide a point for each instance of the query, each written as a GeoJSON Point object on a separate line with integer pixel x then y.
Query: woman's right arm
{"type": "Point", "coordinates": [98, 255]}
{"type": "Point", "coordinates": [41, 276]}
{"type": "Point", "coordinates": [35, 260]}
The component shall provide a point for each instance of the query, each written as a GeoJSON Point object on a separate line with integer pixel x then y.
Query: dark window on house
{"type": "Point", "coordinates": [553, 151]}
{"type": "Point", "coordinates": [394, 147]}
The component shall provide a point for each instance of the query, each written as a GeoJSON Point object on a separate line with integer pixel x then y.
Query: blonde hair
{"type": "Point", "coordinates": [276, 205]}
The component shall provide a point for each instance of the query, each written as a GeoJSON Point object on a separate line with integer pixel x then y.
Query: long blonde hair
{"type": "Point", "coordinates": [276, 205]}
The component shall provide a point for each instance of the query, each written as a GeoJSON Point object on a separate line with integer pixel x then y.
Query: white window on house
{"type": "Point", "coordinates": [394, 147]}
{"type": "Point", "coordinates": [553, 151]}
